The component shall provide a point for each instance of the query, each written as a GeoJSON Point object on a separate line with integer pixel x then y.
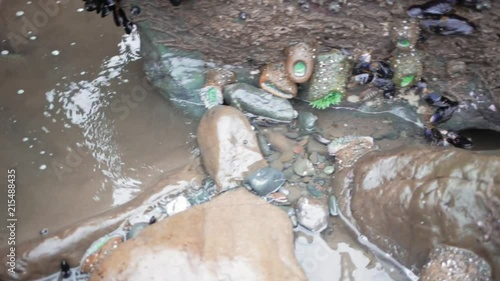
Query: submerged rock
{"type": "Point", "coordinates": [349, 149]}
{"type": "Point", "coordinates": [250, 99]}
{"type": "Point", "coordinates": [209, 242]}
{"type": "Point", "coordinates": [228, 146]}
{"type": "Point", "coordinates": [303, 167]}
{"type": "Point", "coordinates": [265, 181]}
{"type": "Point", "coordinates": [455, 264]}
{"type": "Point", "coordinates": [312, 214]}
{"type": "Point", "coordinates": [431, 196]}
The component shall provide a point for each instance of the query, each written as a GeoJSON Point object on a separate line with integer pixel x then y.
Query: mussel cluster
{"type": "Point", "coordinates": [445, 109]}
{"type": "Point", "coordinates": [106, 7]}
{"type": "Point", "coordinates": [378, 73]}
{"type": "Point", "coordinates": [437, 16]}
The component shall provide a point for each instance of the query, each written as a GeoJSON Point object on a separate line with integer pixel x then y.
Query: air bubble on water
{"type": "Point", "coordinates": [43, 167]}
{"type": "Point", "coordinates": [32, 38]}
{"type": "Point", "coordinates": [25, 139]}
{"type": "Point", "coordinates": [20, 91]}
{"type": "Point", "coordinates": [82, 73]}
{"type": "Point", "coordinates": [4, 52]}
{"type": "Point", "coordinates": [55, 53]}
{"type": "Point", "coordinates": [80, 10]}
{"type": "Point", "coordinates": [29, 2]}
{"type": "Point", "coordinates": [73, 43]}
{"type": "Point", "coordinates": [31, 146]}
{"type": "Point", "coordinates": [19, 13]}
{"type": "Point", "coordinates": [42, 152]}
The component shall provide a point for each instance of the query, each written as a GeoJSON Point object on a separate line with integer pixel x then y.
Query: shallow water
{"type": "Point", "coordinates": [83, 128]}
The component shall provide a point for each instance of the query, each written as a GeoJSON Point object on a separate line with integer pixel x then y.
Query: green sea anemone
{"type": "Point", "coordinates": [333, 98]}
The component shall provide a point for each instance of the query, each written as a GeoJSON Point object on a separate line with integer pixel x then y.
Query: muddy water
{"type": "Point", "coordinates": [80, 124]}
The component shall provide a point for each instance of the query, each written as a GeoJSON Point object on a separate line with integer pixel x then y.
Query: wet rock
{"type": "Point", "coordinates": [303, 167]}
{"type": "Point", "coordinates": [265, 181]}
{"type": "Point", "coordinates": [430, 196]}
{"type": "Point", "coordinates": [454, 264]}
{"type": "Point", "coordinates": [300, 62]}
{"type": "Point", "coordinates": [275, 80]}
{"type": "Point", "coordinates": [349, 149]}
{"type": "Point", "coordinates": [136, 229]}
{"type": "Point", "coordinates": [407, 68]}
{"type": "Point", "coordinates": [258, 102]}
{"type": "Point", "coordinates": [98, 252]}
{"type": "Point", "coordinates": [307, 122]}
{"type": "Point", "coordinates": [329, 170]}
{"type": "Point", "coordinates": [312, 214]}
{"type": "Point", "coordinates": [228, 146]}
{"type": "Point", "coordinates": [455, 68]}
{"type": "Point", "coordinates": [333, 206]}
{"type": "Point", "coordinates": [215, 237]}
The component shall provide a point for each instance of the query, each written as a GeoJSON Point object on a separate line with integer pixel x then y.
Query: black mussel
{"type": "Point", "coordinates": [152, 220]}
{"type": "Point", "coordinates": [434, 99]}
{"type": "Point", "coordinates": [111, 4]}
{"type": "Point", "coordinates": [458, 141]}
{"type": "Point", "coordinates": [448, 25]}
{"type": "Point", "coordinates": [105, 11]}
{"type": "Point", "coordinates": [122, 18]}
{"type": "Point", "coordinates": [442, 114]}
{"type": "Point", "coordinates": [387, 86]}
{"type": "Point", "coordinates": [243, 15]}
{"type": "Point", "coordinates": [364, 78]}
{"type": "Point", "coordinates": [175, 2]}
{"type": "Point", "coordinates": [435, 7]}
{"type": "Point", "coordinates": [116, 18]}
{"type": "Point", "coordinates": [360, 68]}
{"type": "Point", "coordinates": [135, 10]}
{"type": "Point", "coordinates": [434, 136]}
{"type": "Point", "coordinates": [129, 27]}
{"type": "Point", "coordinates": [90, 6]}
{"type": "Point", "coordinates": [382, 69]}
{"type": "Point", "coordinates": [65, 269]}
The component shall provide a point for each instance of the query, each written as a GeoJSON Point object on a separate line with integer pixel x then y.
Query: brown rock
{"type": "Point", "coordinates": [274, 80]}
{"type": "Point", "coordinates": [236, 236]}
{"type": "Point", "coordinates": [455, 264]}
{"type": "Point", "coordinates": [430, 196]}
{"type": "Point", "coordinates": [228, 146]}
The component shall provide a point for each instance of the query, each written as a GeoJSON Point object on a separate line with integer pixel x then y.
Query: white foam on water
{"type": "Point", "coordinates": [84, 105]}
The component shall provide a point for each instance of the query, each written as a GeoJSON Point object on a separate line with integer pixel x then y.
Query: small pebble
{"type": "Point", "coordinates": [55, 53]}
{"type": "Point", "coordinates": [20, 92]}
{"type": "Point", "coordinates": [43, 167]}
{"type": "Point", "coordinates": [4, 52]}
{"type": "Point", "coordinates": [80, 10]}
{"type": "Point", "coordinates": [329, 170]}
{"type": "Point", "coordinates": [32, 38]}
{"type": "Point", "coordinates": [19, 13]}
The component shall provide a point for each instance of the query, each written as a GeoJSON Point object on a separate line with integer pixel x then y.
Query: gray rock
{"type": "Point", "coordinates": [333, 206]}
{"type": "Point", "coordinates": [303, 167]}
{"type": "Point", "coordinates": [136, 229]}
{"type": "Point", "coordinates": [307, 121]}
{"type": "Point", "coordinates": [253, 100]}
{"type": "Point", "coordinates": [329, 170]}
{"type": "Point", "coordinates": [265, 181]}
{"type": "Point", "coordinates": [312, 214]}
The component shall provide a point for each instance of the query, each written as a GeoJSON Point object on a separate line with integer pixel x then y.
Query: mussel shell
{"type": "Point", "coordinates": [175, 2]}
{"type": "Point", "coordinates": [135, 10]}
{"type": "Point", "coordinates": [301, 55]}
{"type": "Point", "coordinates": [458, 141]}
{"type": "Point", "coordinates": [435, 7]}
{"type": "Point", "coordinates": [434, 99]}
{"type": "Point", "coordinates": [434, 136]}
{"type": "Point", "coordinates": [364, 78]}
{"type": "Point", "coordinates": [448, 25]}
{"type": "Point", "coordinates": [442, 114]}
{"type": "Point", "coordinates": [382, 69]}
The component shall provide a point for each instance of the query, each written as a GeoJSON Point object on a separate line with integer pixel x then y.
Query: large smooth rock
{"type": "Point", "coordinates": [236, 236]}
{"type": "Point", "coordinates": [259, 102]}
{"type": "Point", "coordinates": [228, 146]}
{"type": "Point", "coordinates": [409, 201]}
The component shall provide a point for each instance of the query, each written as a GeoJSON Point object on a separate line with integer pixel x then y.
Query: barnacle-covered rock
{"type": "Point", "coordinates": [329, 80]}
{"type": "Point", "coordinates": [275, 80]}
{"type": "Point", "coordinates": [406, 34]}
{"type": "Point", "coordinates": [407, 68]}
{"type": "Point", "coordinates": [98, 252]}
{"type": "Point", "coordinates": [349, 149]}
{"type": "Point", "coordinates": [300, 62]}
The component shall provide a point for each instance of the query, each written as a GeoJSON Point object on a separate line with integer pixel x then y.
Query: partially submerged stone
{"type": "Point", "coordinates": [250, 99]}
{"type": "Point", "coordinates": [349, 149]}
{"type": "Point", "coordinates": [228, 146]}
{"type": "Point", "coordinates": [236, 236]}
{"type": "Point", "coordinates": [312, 214]}
{"type": "Point", "coordinates": [265, 181]}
